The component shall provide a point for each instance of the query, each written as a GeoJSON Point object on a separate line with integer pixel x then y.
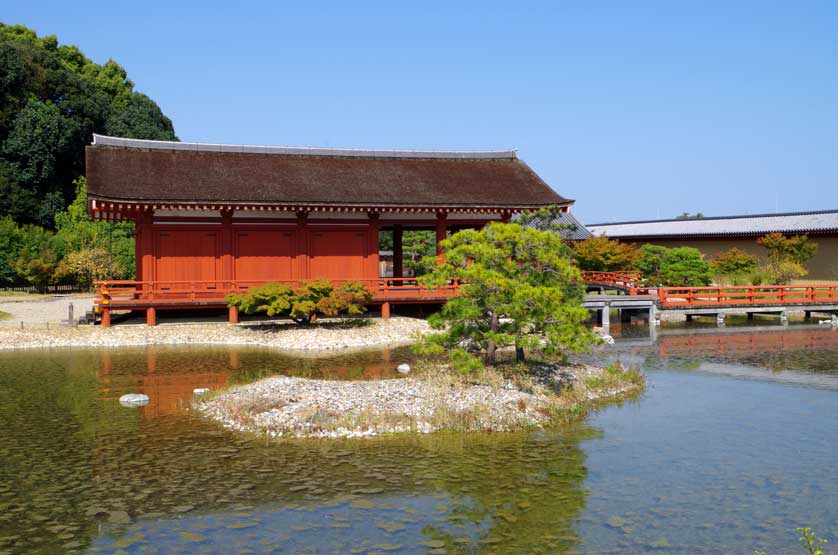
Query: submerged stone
{"type": "Point", "coordinates": [133, 400]}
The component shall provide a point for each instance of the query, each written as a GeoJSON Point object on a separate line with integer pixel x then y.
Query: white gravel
{"type": "Point", "coordinates": [42, 310]}
{"type": "Point", "coordinates": [282, 406]}
{"type": "Point", "coordinates": [325, 335]}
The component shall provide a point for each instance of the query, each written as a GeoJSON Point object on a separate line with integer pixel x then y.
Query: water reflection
{"type": "Point", "coordinates": [700, 464]}
{"type": "Point", "coordinates": [82, 474]}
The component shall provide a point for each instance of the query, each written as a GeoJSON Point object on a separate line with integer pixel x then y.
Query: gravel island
{"type": "Point", "coordinates": [439, 399]}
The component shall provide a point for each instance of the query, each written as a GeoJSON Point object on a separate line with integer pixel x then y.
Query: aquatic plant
{"type": "Point", "coordinates": [811, 543]}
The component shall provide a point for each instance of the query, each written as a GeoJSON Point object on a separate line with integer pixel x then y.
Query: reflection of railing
{"type": "Point", "coordinates": [747, 343]}
{"type": "Point", "coordinates": [626, 279]}
{"type": "Point", "coordinates": [752, 296]}
{"type": "Point", "coordinates": [130, 292]}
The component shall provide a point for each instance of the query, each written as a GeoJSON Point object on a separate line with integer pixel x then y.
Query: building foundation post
{"type": "Point", "coordinates": [606, 319]}
{"type": "Point", "coordinates": [385, 311]}
{"type": "Point", "coordinates": [151, 316]}
{"type": "Point", "coordinates": [233, 315]}
{"type": "Point", "coordinates": [720, 319]}
{"type": "Point", "coordinates": [106, 317]}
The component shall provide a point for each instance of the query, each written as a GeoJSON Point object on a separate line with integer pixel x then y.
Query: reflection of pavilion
{"type": "Point", "coordinates": [168, 391]}
{"type": "Point", "coordinates": [170, 376]}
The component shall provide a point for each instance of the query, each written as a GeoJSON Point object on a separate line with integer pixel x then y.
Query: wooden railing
{"type": "Point", "coordinates": [121, 292]}
{"type": "Point", "coordinates": [751, 295]}
{"type": "Point", "coordinates": [626, 279]}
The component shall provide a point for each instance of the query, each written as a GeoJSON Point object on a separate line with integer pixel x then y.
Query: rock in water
{"type": "Point", "coordinates": [403, 368]}
{"type": "Point", "coordinates": [201, 390]}
{"type": "Point", "coordinates": [133, 400]}
{"type": "Point", "coordinates": [607, 339]}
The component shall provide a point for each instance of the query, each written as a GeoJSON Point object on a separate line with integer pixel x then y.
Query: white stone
{"type": "Point", "coordinates": [201, 390]}
{"type": "Point", "coordinates": [133, 400]}
{"type": "Point", "coordinates": [403, 368]}
{"type": "Point", "coordinates": [607, 339]}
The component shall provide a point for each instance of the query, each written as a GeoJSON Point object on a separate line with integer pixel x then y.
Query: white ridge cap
{"type": "Point", "coordinates": [104, 140]}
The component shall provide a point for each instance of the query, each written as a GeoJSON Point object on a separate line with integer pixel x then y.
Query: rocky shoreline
{"type": "Point", "coordinates": [287, 407]}
{"type": "Point", "coordinates": [326, 335]}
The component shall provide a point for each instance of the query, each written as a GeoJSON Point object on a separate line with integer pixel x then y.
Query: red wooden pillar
{"type": "Point", "coordinates": [372, 271]}
{"type": "Point", "coordinates": [398, 261]}
{"type": "Point", "coordinates": [505, 217]}
{"type": "Point", "coordinates": [106, 317]}
{"type": "Point", "coordinates": [145, 248]}
{"type": "Point", "coordinates": [302, 245]}
{"type": "Point", "coordinates": [151, 316]}
{"type": "Point", "coordinates": [233, 315]}
{"type": "Point", "coordinates": [385, 311]}
{"type": "Point", "coordinates": [441, 218]}
{"type": "Point", "coordinates": [227, 268]}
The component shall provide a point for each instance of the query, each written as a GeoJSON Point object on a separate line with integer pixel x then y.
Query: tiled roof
{"type": "Point", "coordinates": [725, 226]}
{"type": "Point", "coordinates": [128, 170]}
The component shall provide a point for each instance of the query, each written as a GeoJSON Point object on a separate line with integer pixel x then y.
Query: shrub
{"type": "Point", "coordinates": [685, 266]}
{"type": "Point", "coordinates": [735, 262]}
{"type": "Point", "coordinates": [88, 265]}
{"type": "Point", "coordinates": [605, 255]}
{"type": "Point", "coordinates": [312, 297]}
{"type": "Point", "coordinates": [782, 271]}
{"type": "Point", "coordinates": [796, 247]}
{"type": "Point", "coordinates": [650, 263]}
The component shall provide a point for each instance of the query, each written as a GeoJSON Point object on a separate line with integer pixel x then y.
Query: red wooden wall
{"type": "Point", "coordinates": [241, 252]}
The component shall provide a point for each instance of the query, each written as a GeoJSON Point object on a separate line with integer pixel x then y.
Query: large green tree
{"type": "Point", "coordinates": [52, 99]}
{"type": "Point", "coordinates": [519, 289]}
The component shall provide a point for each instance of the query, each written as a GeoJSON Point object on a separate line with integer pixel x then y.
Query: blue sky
{"type": "Point", "coordinates": [635, 109]}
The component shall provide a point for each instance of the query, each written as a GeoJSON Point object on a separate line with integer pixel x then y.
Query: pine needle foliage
{"type": "Point", "coordinates": [518, 289]}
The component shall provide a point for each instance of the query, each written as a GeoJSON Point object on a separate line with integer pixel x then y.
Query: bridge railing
{"type": "Point", "coordinates": [750, 295]}
{"type": "Point", "coordinates": [627, 279]}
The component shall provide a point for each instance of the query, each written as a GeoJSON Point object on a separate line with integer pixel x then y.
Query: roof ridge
{"type": "Point", "coordinates": [708, 218]}
{"type": "Point", "coordinates": [105, 140]}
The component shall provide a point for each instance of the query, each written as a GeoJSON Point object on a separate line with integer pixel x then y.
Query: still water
{"type": "Point", "coordinates": [733, 446]}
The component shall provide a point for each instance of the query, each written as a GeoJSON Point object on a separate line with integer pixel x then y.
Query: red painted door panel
{"type": "Point", "coordinates": [337, 254]}
{"type": "Point", "coordinates": [264, 255]}
{"type": "Point", "coordinates": [184, 255]}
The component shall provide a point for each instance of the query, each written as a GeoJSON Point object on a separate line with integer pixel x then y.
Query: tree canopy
{"type": "Point", "coordinates": [518, 289]}
{"type": "Point", "coordinates": [52, 99]}
{"type": "Point", "coordinates": [601, 254]}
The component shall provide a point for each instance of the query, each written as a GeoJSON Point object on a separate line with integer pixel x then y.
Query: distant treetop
{"type": "Point", "coordinates": [52, 99]}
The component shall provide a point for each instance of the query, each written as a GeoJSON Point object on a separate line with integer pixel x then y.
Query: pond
{"type": "Point", "coordinates": [731, 448]}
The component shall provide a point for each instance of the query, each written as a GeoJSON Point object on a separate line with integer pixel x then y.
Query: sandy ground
{"type": "Point", "coordinates": [40, 310]}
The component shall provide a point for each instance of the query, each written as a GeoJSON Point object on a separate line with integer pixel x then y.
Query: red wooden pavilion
{"type": "Point", "coordinates": [212, 219]}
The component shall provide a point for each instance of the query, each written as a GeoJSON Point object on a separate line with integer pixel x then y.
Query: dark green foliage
{"type": "Point", "coordinates": [419, 250]}
{"type": "Point", "coordinates": [318, 296]}
{"type": "Point", "coordinates": [685, 266]}
{"type": "Point", "coordinates": [52, 100]}
{"type": "Point", "coordinates": [688, 216]}
{"type": "Point", "coordinates": [518, 289]}
{"type": "Point", "coordinates": [650, 263]}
